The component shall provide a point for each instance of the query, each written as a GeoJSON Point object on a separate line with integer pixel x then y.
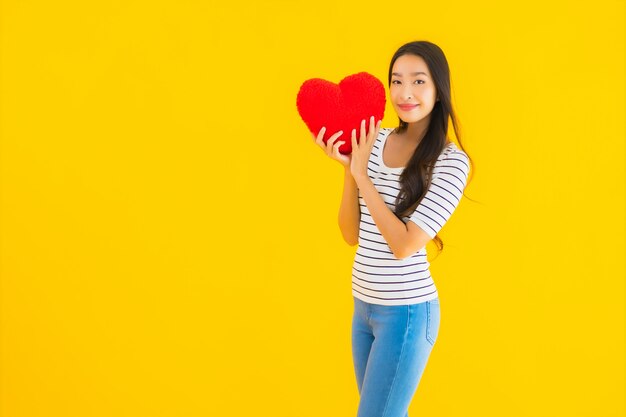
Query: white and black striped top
{"type": "Point", "coordinates": [378, 277]}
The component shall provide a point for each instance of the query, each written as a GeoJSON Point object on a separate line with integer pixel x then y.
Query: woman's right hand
{"type": "Point", "coordinates": [332, 149]}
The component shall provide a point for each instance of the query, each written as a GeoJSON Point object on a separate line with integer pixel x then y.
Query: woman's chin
{"type": "Point", "coordinates": [412, 119]}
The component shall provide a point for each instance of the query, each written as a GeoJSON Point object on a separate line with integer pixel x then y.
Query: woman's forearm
{"type": "Point", "coordinates": [349, 211]}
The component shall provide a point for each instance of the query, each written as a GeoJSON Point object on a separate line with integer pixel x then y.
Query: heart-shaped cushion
{"type": "Point", "coordinates": [341, 106]}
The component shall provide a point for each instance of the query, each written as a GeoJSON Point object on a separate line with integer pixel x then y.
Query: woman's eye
{"type": "Point", "coordinates": [394, 81]}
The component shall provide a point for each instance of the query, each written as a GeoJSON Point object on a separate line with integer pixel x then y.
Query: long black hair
{"type": "Point", "coordinates": [417, 175]}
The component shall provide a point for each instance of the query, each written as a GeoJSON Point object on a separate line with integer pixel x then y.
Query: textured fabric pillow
{"type": "Point", "coordinates": [341, 106]}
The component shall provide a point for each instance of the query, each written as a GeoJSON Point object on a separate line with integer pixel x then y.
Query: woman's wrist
{"type": "Point", "coordinates": [361, 179]}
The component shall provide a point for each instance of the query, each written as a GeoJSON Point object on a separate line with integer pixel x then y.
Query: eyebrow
{"type": "Point", "coordinates": [413, 73]}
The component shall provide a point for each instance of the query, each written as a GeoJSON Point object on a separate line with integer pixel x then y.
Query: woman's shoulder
{"type": "Point", "coordinates": [454, 157]}
{"type": "Point", "coordinates": [451, 149]}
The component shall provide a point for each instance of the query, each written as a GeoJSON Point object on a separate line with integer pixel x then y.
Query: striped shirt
{"type": "Point", "coordinates": [378, 277]}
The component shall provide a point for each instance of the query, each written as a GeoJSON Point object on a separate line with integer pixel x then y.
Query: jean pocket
{"type": "Point", "coordinates": [433, 319]}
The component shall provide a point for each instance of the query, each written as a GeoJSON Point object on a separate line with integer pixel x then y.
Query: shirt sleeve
{"type": "Point", "coordinates": [444, 194]}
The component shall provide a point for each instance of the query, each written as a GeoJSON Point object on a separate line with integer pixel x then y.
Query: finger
{"type": "Point", "coordinates": [375, 134]}
{"type": "Point", "coordinates": [363, 138]}
{"type": "Point", "coordinates": [372, 129]}
{"type": "Point", "coordinates": [336, 147]}
{"type": "Point", "coordinates": [320, 134]}
{"type": "Point", "coordinates": [320, 137]}
{"type": "Point", "coordinates": [332, 139]}
{"type": "Point", "coordinates": [354, 144]}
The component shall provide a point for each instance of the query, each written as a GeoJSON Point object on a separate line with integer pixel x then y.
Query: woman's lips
{"type": "Point", "coordinates": [408, 107]}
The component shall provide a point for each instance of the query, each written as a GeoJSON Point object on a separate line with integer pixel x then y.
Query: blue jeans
{"type": "Point", "coordinates": [390, 348]}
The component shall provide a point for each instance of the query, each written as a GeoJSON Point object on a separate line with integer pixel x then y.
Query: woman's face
{"type": "Point", "coordinates": [411, 83]}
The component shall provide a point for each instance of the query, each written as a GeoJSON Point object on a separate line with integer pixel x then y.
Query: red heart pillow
{"type": "Point", "coordinates": [341, 107]}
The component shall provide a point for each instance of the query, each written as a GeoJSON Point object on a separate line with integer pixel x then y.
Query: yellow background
{"type": "Point", "coordinates": [169, 234]}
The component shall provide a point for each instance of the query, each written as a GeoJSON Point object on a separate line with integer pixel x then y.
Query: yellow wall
{"type": "Point", "coordinates": [168, 251]}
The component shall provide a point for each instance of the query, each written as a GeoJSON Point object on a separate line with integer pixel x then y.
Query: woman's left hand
{"type": "Point", "coordinates": [361, 151]}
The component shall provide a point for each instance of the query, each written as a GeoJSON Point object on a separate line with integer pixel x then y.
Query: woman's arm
{"type": "Point", "coordinates": [349, 212]}
{"type": "Point", "coordinates": [390, 226]}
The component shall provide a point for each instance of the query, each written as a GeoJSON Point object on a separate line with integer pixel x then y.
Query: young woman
{"type": "Point", "coordinates": [401, 186]}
